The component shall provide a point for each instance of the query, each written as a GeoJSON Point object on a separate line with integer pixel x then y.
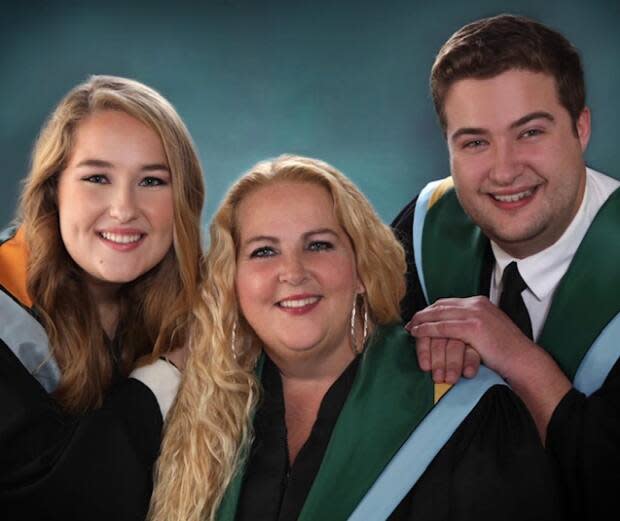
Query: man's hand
{"type": "Point", "coordinates": [478, 323]}
{"type": "Point", "coordinates": [450, 329]}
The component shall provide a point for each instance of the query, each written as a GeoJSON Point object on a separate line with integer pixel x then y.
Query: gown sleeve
{"type": "Point", "coordinates": [493, 467]}
{"type": "Point", "coordinates": [583, 441]}
{"type": "Point", "coordinates": [95, 466]}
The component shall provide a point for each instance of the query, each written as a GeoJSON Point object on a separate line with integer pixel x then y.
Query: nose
{"type": "Point", "coordinates": [506, 165]}
{"type": "Point", "coordinates": [123, 205]}
{"type": "Point", "coordinates": [292, 269]}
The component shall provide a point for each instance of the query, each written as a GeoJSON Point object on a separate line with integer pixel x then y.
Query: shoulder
{"type": "Point", "coordinates": [404, 219]}
{"type": "Point", "coordinates": [430, 194]}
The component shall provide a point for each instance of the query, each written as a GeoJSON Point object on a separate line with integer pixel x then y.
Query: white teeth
{"type": "Point", "coordinates": [513, 197]}
{"type": "Point", "coordinates": [298, 303]}
{"type": "Point", "coordinates": [121, 239]}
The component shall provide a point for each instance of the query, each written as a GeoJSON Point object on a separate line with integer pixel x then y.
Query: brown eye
{"type": "Point", "coordinates": [532, 132]}
{"type": "Point", "coordinates": [474, 143]}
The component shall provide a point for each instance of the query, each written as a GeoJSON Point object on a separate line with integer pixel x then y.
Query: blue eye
{"type": "Point", "coordinates": [263, 251]}
{"type": "Point", "coordinates": [153, 181]}
{"type": "Point", "coordinates": [99, 179]}
{"type": "Point", "coordinates": [320, 246]}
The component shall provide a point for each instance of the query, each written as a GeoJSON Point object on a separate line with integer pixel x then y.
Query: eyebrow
{"type": "Point", "coordinates": [467, 131]}
{"type": "Point", "coordinates": [275, 240]}
{"type": "Point", "coordinates": [99, 163]}
{"type": "Point", "coordinates": [479, 131]}
{"type": "Point", "coordinates": [532, 116]}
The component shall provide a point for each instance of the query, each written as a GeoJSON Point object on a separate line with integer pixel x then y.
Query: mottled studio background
{"type": "Point", "coordinates": [343, 81]}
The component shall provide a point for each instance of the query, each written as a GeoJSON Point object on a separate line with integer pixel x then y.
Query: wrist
{"type": "Point", "coordinates": [536, 378]}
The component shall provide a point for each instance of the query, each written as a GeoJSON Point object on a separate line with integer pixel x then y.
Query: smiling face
{"type": "Point", "coordinates": [516, 161]}
{"type": "Point", "coordinates": [296, 277]}
{"type": "Point", "coordinates": [115, 200]}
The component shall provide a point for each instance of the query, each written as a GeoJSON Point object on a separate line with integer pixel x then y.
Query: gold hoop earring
{"type": "Point", "coordinates": [233, 346]}
{"type": "Point", "coordinates": [357, 350]}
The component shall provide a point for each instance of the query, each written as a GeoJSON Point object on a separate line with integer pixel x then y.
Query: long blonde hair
{"type": "Point", "coordinates": [209, 428]}
{"type": "Point", "coordinates": [155, 308]}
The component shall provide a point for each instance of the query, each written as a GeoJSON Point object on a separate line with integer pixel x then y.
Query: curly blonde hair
{"type": "Point", "coordinates": [209, 428]}
{"type": "Point", "coordinates": [156, 307]}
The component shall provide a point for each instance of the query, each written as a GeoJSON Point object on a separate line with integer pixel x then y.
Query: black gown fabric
{"type": "Point", "coordinates": [583, 435]}
{"type": "Point", "coordinates": [92, 467]}
{"type": "Point", "coordinates": [492, 468]}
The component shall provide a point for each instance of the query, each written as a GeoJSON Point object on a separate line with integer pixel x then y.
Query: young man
{"type": "Point", "coordinates": [524, 225]}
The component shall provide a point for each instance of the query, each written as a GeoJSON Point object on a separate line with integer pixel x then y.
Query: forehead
{"type": "Point", "coordinates": [114, 130]}
{"type": "Point", "coordinates": [500, 100]}
{"type": "Point", "coordinates": [286, 207]}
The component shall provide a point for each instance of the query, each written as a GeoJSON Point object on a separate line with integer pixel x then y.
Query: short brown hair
{"type": "Point", "coordinates": [488, 47]}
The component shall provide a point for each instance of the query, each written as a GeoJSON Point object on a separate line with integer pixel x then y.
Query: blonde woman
{"type": "Point", "coordinates": [102, 269]}
{"type": "Point", "coordinates": [303, 291]}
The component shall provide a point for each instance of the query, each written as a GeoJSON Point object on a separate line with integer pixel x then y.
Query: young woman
{"type": "Point", "coordinates": [102, 269]}
{"type": "Point", "coordinates": [304, 282]}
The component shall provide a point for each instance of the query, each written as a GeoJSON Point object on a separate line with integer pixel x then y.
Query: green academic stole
{"type": "Point", "coordinates": [449, 250]}
{"type": "Point", "coordinates": [389, 398]}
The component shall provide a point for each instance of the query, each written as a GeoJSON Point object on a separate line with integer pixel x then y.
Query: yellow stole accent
{"type": "Point", "coordinates": [440, 390]}
{"type": "Point", "coordinates": [445, 185]}
{"type": "Point", "coordinates": [13, 260]}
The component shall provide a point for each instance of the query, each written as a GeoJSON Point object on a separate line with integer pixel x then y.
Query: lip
{"type": "Point", "coordinates": [299, 304]}
{"type": "Point", "coordinates": [114, 238]}
{"type": "Point", "coordinates": [513, 199]}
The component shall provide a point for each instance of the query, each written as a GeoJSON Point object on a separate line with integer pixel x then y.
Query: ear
{"type": "Point", "coordinates": [584, 127]}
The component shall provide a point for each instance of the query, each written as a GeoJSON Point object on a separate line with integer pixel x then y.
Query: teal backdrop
{"type": "Point", "coordinates": [343, 81]}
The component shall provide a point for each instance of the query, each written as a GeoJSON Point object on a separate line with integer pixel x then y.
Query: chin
{"type": "Point", "coordinates": [121, 278]}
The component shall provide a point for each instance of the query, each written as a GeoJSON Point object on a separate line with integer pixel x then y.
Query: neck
{"type": "Point", "coordinates": [308, 368]}
{"type": "Point", "coordinates": [105, 297]}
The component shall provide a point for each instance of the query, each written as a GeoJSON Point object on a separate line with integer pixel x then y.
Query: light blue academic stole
{"type": "Point", "coordinates": [19, 329]}
{"type": "Point", "coordinates": [582, 329]}
{"type": "Point", "coordinates": [388, 432]}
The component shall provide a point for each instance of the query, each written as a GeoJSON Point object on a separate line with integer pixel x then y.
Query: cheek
{"type": "Point", "coordinates": [66, 206]}
{"type": "Point", "coordinates": [159, 210]}
{"type": "Point", "coordinates": [341, 276]}
{"type": "Point", "coordinates": [468, 171]}
{"type": "Point", "coordinates": [79, 208]}
{"type": "Point", "coordinates": [253, 288]}
{"type": "Point", "coordinates": [74, 218]}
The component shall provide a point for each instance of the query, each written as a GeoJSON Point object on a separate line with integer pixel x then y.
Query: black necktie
{"type": "Point", "coordinates": [511, 301]}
